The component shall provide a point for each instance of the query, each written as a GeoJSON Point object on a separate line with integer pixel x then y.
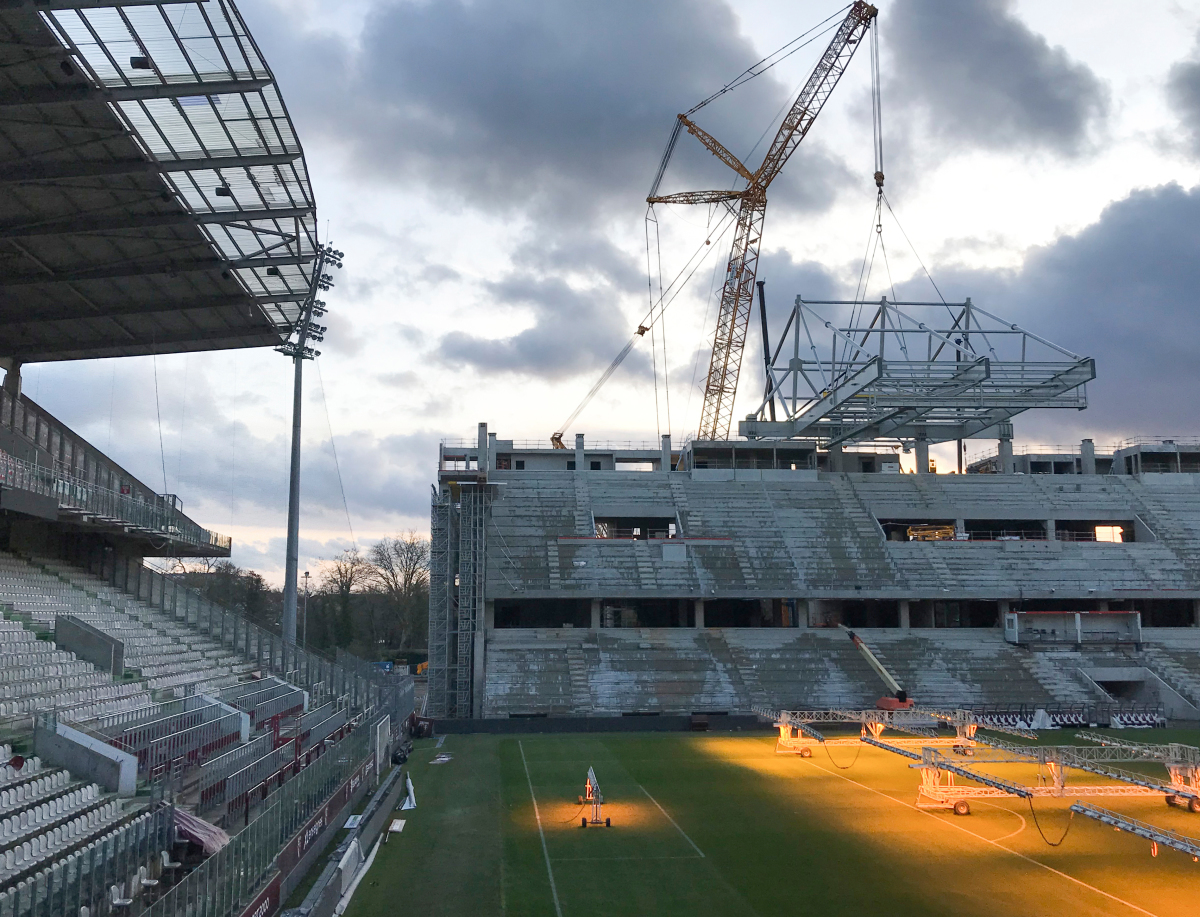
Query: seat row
{"type": "Point", "coordinates": [19, 797]}
{"type": "Point", "coordinates": [23, 856]}
{"type": "Point", "coordinates": [16, 826]}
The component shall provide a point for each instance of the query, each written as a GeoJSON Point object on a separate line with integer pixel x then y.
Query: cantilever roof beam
{"type": "Point", "coordinates": [147, 221]}
{"type": "Point", "coordinates": [82, 92]}
{"type": "Point", "coordinates": [154, 308]}
{"type": "Point", "coordinates": [22, 173]}
{"type": "Point", "coordinates": [151, 268]}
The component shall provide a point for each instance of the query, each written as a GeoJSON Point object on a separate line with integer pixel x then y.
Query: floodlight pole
{"type": "Point", "coordinates": [299, 351]}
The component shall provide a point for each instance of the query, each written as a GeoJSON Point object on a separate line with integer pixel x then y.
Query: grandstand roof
{"type": "Point", "coordinates": [153, 193]}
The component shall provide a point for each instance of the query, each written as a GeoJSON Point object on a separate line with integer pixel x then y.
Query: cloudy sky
{"type": "Point", "coordinates": [484, 164]}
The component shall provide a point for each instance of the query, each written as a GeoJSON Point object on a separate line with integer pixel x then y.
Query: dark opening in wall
{"type": "Point", "coordinates": [870, 613]}
{"type": "Point", "coordinates": [954, 614]}
{"type": "Point", "coordinates": [638, 527]}
{"type": "Point", "coordinates": [1103, 530]}
{"type": "Point", "coordinates": [543, 612]}
{"type": "Point", "coordinates": [732, 613]}
{"type": "Point", "coordinates": [1165, 612]}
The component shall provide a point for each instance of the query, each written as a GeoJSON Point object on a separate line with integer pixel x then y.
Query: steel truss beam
{"type": "Point", "coordinates": [1153, 833]}
{"type": "Point", "coordinates": [82, 4]}
{"type": "Point", "coordinates": [152, 308]}
{"type": "Point", "coordinates": [20, 173]}
{"type": "Point", "coordinates": [883, 373]}
{"type": "Point", "coordinates": [236, 337]}
{"type": "Point", "coordinates": [148, 221]}
{"type": "Point", "coordinates": [152, 268]}
{"type": "Point", "coordinates": [82, 92]}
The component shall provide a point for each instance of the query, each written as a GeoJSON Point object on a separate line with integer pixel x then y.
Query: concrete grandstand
{"type": "Point", "coordinates": [161, 754]}
{"type": "Point", "coordinates": [616, 580]}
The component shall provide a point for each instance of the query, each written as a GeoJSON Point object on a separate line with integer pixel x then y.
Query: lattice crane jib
{"type": "Point", "coordinates": [733, 317]}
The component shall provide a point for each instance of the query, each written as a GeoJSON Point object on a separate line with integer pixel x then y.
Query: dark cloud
{"type": "Point", "coordinates": [1122, 290]}
{"type": "Point", "coordinates": [538, 104]}
{"type": "Point", "coordinates": [980, 77]}
{"type": "Point", "coordinates": [1183, 92]}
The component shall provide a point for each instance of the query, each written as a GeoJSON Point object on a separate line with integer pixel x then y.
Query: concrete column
{"type": "Point", "coordinates": [699, 604]}
{"type": "Point", "coordinates": [960, 527]}
{"type": "Point", "coordinates": [1050, 534]}
{"type": "Point", "coordinates": [835, 458]}
{"type": "Point", "coordinates": [12, 378]}
{"type": "Point", "coordinates": [681, 612]}
{"type": "Point", "coordinates": [580, 465]}
{"type": "Point", "coordinates": [489, 615]}
{"type": "Point", "coordinates": [922, 456]}
{"type": "Point", "coordinates": [595, 614]}
{"type": "Point", "coordinates": [491, 456]}
{"type": "Point", "coordinates": [665, 461]}
{"type": "Point", "coordinates": [766, 612]}
{"type": "Point", "coordinates": [483, 447]}
{"type": "Point", "coordinates": [1102, 605]}
{"type": "Point", "coordinates": [477, 677]}
{"type": "Point", "coordinates": [1087, 452]}
{"type": "Point", "coordinates": [813, 616]}
{"type": "Point", "coordinates": [1195, 612]}
{"type": "Point", "coordinates": [1005, 456]}
{"type": "Point", "coordinates": [905, 617]}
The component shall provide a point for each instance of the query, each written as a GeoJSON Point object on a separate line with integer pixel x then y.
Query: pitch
{"type": "Point", "coordinates": [721, 824]}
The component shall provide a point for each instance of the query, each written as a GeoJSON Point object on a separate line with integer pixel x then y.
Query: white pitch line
{"type": "Point", "coordinates": [671, 820]}
{"type": "Point", "coordinates": [541, 833]}
{"type": "Point", "coordinates": [950, 824]}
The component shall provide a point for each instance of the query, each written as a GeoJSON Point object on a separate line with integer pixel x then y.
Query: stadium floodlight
{"type": "Point", "coordinates": [297, 348]}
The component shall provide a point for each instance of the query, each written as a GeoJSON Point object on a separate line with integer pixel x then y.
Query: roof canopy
{"type": "Point", "coordinates": [153, 194]}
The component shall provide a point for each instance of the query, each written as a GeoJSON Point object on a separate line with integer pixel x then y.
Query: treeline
{"type": "Point", "coordinates": [374, 604]}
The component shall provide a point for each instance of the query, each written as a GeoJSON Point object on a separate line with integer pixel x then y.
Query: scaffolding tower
{"type": "Point", "coordinates": [457, 561]}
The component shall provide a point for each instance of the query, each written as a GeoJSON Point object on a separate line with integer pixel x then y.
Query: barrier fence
{"type": "Point", "coordinates": [83, 878]}
{"type": "Point", "coordinates": [230, 879]}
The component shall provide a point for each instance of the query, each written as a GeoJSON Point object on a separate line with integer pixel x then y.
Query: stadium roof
{"type": "Point", "coordinates": [153, 193]}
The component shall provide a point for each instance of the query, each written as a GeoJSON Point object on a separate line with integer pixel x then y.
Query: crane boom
{"type": "Point", "coordinates": [733, 316]}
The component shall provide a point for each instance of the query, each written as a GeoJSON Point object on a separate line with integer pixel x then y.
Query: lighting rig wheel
{"type": "Point", "coordinates": [806, 753]}
{"type": "Point", "coordinates": [1171, 800]}
{"type": "Point", "coordinates": [1194, 804]}
{"type": "Point", "coordinates": [608, 822]}
{"type": "Point", "coordinates": [583, 823]}
{"type": "Point", "coordinates": [962, 807]}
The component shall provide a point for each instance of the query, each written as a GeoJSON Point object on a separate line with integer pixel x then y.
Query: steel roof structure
{"type": "Point", "coordinates": [153, 192]}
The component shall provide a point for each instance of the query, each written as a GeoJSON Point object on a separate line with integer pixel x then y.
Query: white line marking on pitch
{"type": "Point", "coordinates": [951, 824]}
{"type": "Point", "coordinates": [606, 859]}
{"type": "Point", "coordinates": [541, 833]}
{"type": "Point", "coordinates": [1024, 825]}
{"type": "Point", "coordinates": [671, 820]}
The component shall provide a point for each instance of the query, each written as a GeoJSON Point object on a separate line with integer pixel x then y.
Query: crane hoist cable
{"type": "Point", "coordinates": [654, 315]}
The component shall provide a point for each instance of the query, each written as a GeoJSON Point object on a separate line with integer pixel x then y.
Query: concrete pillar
{"type": "Point", "coordinates": [699, 604]}
{"type": "Point", "coordinates": [835, 458]}
{"type": "Point", "coordinates": [477, 676]}
{"type": "Point", "coordinates": [491, 456]}
{"type": "Point", "coordinates": [813, 617]}
{"type": "Point", "coordinates": [960, 528]}
{"type": "Point", "coordinates": [483, 447]}
{"type": "Point", "coordinates": [595, 625]}
{"type": "Point", "coordinates": [665, 461]}
{"type": "Point", "coordinates": [1005, 456]}
{"type": "Point", "coordinates": [681, 612]}
{"type": "Point", "coordinates": [1102, 605]}
{"type": "Point", "coordinates": [1087, 452]}
{"type": "Point", "coordinates": [1195, 612]}
{"type": "Point", "coordinates": [905, 616]}
{"type": "Point", "coordinates": [12, 378]}
{"type": "Point", "coordinates": [1050, 534]}
{"type": "Point", "coordinates": [922, 446]}
{"type": "Point", "coordinates": [580, 465]}
{"type": "Point", "coordinates": [766, 612]}
{"type": "Point", "coordinates": [489, 614]}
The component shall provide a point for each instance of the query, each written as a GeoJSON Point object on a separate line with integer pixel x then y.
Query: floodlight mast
{"type": "Point", "coordinates": [733, 317]}
{"type": "Point", "coordinates": [305, 330]}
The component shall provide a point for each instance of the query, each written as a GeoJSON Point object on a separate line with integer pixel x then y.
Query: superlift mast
{"type": "Point", "coordinates": [737, 296]}
{"type": "Point", "coordinates": [305, 330]}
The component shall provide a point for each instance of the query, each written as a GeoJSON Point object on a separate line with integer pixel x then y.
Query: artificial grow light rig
{"type": "Point", "coordinates": [595, 798]}
{"type": "Point", "coordinates": [899, 699]}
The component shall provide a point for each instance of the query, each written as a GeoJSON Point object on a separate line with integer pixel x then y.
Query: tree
{"type": "Point", "coordinates": [399, 570]}
{"type": "Point", "coordinates": [348, 573]}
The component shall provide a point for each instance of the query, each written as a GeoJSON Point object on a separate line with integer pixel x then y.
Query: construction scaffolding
{"type": "Point", "coordinates": [457, 562]}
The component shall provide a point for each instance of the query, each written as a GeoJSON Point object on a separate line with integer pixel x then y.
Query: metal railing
{"type": "Point", "coordinates": [160, 516]}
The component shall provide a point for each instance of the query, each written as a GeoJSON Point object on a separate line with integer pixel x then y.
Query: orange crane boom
{"type": "Point", "coordinates": [733, 316]}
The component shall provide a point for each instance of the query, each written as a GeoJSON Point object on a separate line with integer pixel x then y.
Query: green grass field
{"type": "Point", "coordinates": [721, 824]}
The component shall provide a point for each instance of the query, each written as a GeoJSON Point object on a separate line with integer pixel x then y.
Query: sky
{"type": "Point", "coordinates": [484, 165]}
